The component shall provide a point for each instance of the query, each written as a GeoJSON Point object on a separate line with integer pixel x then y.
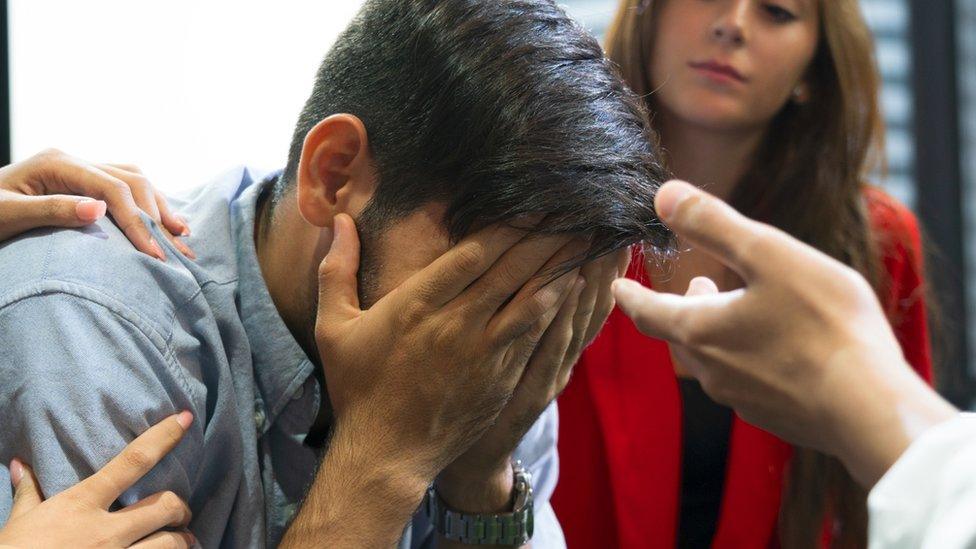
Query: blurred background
{"type": "Point", "coordinates": [188, 88]}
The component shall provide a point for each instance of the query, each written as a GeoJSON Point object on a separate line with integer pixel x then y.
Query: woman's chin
{"type": "Point", "coordinates": [713, 111]}
{"type": "Point", "coordinates": [719, 120]}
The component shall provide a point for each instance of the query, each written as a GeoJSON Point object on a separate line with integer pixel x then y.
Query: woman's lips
{"type": "Point", "coordinates": [719, 71]}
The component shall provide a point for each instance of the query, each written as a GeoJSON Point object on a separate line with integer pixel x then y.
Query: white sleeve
{"type": "Point", "coordinates": [928, 498]}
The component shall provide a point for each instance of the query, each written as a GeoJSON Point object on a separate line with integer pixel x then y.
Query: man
{"type": "Point", "coordinates": [497, 126]}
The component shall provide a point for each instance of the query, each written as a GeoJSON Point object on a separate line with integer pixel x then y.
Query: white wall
{"type": "Point", "coordinates": [183, 88]}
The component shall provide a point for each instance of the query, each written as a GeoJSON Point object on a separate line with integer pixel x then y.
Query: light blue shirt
{"type": "Point", "coordinates": [98, 342]}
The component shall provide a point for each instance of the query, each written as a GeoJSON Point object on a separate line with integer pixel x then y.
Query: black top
{"type": "Point", "coordinates": [706, 426]}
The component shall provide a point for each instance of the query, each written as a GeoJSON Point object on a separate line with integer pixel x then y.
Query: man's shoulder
{"type": "Point", "coordinates": [100, 262]}
{"type": "Point", "coordinates": [96, 263]}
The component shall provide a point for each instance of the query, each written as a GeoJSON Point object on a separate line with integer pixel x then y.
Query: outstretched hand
{"type": "Point", "coordinates": [804, 350]}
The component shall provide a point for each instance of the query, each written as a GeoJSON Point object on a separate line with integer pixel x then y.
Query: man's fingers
{"type": "Point", "coordinates": [20, 213]}
{"type": "Point", "coordinates": [28, 491]}
{"type": "Point", "coordinates": [611, 267]}
{"type": "Point", "coordinates": [135, 460]}
{"type": "Point", "coordinates": [624, 258]}
{"type": "Point", "coordinates": [529, 313]}
{"type": "Point", "coordinates": [166, 540]}
{"type": "Point", "coordinates": [550, 354]}
{"type": "Point", "coordinates": [535, 257]}
{"type": "Point", "coordinates": [450, 274]}
{"type": "Point", "coordinates": [554, 355]}
{"type": "Point", "coordinates": [523, 344]}
{"type": "Point", "coordinates": [713, 226]}
{"type": "Point", "coordinates": [150, 514]}
{"type": "Point", "coordinates": [534, 295]}
{"type": "Point", "coordinates": [338, 285]}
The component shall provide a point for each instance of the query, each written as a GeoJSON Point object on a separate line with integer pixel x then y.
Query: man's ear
{"type": "Point", "coordinates": [335, 172]}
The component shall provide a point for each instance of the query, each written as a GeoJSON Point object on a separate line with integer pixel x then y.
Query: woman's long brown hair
{"type": "Point", "coordinates": [807, 178]}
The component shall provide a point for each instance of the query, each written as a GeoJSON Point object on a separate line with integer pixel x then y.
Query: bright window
{"type": "Point", "coordinates": [183, 88]}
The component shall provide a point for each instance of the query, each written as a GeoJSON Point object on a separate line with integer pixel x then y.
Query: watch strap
{"type": "Point", "coordinates": [510, 529]}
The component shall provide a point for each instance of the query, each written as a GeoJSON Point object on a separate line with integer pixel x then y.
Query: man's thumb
{"type": "Point", "coordinates": [28, 492]}
{"type": "Point", "coordinates": [338, 286]}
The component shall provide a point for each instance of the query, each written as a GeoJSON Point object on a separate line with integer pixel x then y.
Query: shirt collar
{"type": "Point", "coordinates": [280, 364]}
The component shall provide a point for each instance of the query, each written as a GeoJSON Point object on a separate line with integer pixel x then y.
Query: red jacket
{"type": "Point", "coordinates": [620, 422]}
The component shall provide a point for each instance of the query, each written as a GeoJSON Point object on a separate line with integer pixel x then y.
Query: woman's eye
{"type": "Point", "coordinates": [779, 13]}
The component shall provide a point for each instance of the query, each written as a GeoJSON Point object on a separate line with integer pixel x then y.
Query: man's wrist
{"type": "Point", "coordinates": [361, 495]}
{"type": "Point", "coordinates": [478, 491]}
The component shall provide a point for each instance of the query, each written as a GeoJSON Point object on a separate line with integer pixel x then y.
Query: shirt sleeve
{"type": "Point", "coordinates": [538, 455]}
{"type": "Point", "coordinates": [927, 499]}
{"type": "Point", "coordinates": [78, 381]}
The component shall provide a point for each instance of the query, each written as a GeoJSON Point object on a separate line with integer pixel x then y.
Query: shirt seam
{"type": "Point", "coordinates": [117, 308]}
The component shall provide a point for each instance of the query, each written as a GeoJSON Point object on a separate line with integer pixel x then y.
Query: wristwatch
{"type": "Point", "coordinates": [512, 529]}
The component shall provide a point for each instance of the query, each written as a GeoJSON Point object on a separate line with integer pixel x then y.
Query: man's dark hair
{"type": "Point", "coordinates": [496, 108]}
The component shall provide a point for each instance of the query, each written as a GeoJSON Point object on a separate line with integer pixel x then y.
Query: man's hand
{"type": "Point", "coordinates": [79, 516]}
{"type": "Point", "coordinates": [480, 480]}
{"type": "Point", "coordinates": [53, 189]}
{"type": "Point", "coordinates": [419, 377]}
{"type": "Point", "coordinates": [804, 350]}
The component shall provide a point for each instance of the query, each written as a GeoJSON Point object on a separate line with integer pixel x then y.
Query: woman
{"type": "Point", "coordinates": [772, 105]}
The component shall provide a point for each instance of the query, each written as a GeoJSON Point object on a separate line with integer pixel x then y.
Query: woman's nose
{"type": "Point", "coordinates": [729, 28]}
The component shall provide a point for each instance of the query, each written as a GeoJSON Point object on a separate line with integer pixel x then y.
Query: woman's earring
{"type": "Point", "coordinates": [800, 94]}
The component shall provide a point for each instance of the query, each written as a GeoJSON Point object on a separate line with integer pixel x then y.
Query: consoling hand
{"type": "Point", "coordinates": [804, 350]}
{"type": "Point", "coordinates": [53, 189]}
{"type": "Point", "coordinates": [79, 516]}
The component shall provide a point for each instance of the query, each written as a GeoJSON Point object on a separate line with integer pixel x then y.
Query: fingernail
{"type": "Point", "coordinates": [580, 284]}
{"type": "Point", "coordinates": [185, 419]}
{"type": "Point", "coordinates": [192, 539]}
{"type": "Point", "coordinates": [16, 472]}
{"type": "Point", "coordinates": [185, 228]}
{"type": "Point", "coordinates": [157, 251]}
{"type": "Point", "coordinates": [90, 210]}
{"type": "Point", "coordinates": [667, 202]}
{"type": "Point", "coordinates": [185, 249]}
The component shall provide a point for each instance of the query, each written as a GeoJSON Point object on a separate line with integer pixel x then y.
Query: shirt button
{"type": "Point", "coordinates": [299, 393]}
{"type": "Point", "coordinates": [258, 418]}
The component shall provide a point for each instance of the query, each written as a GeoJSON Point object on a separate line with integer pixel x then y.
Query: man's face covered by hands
{"type": "Point", "coordinates": [438, 126]}
{"type": "Point", "coordinates": [467, 114]}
